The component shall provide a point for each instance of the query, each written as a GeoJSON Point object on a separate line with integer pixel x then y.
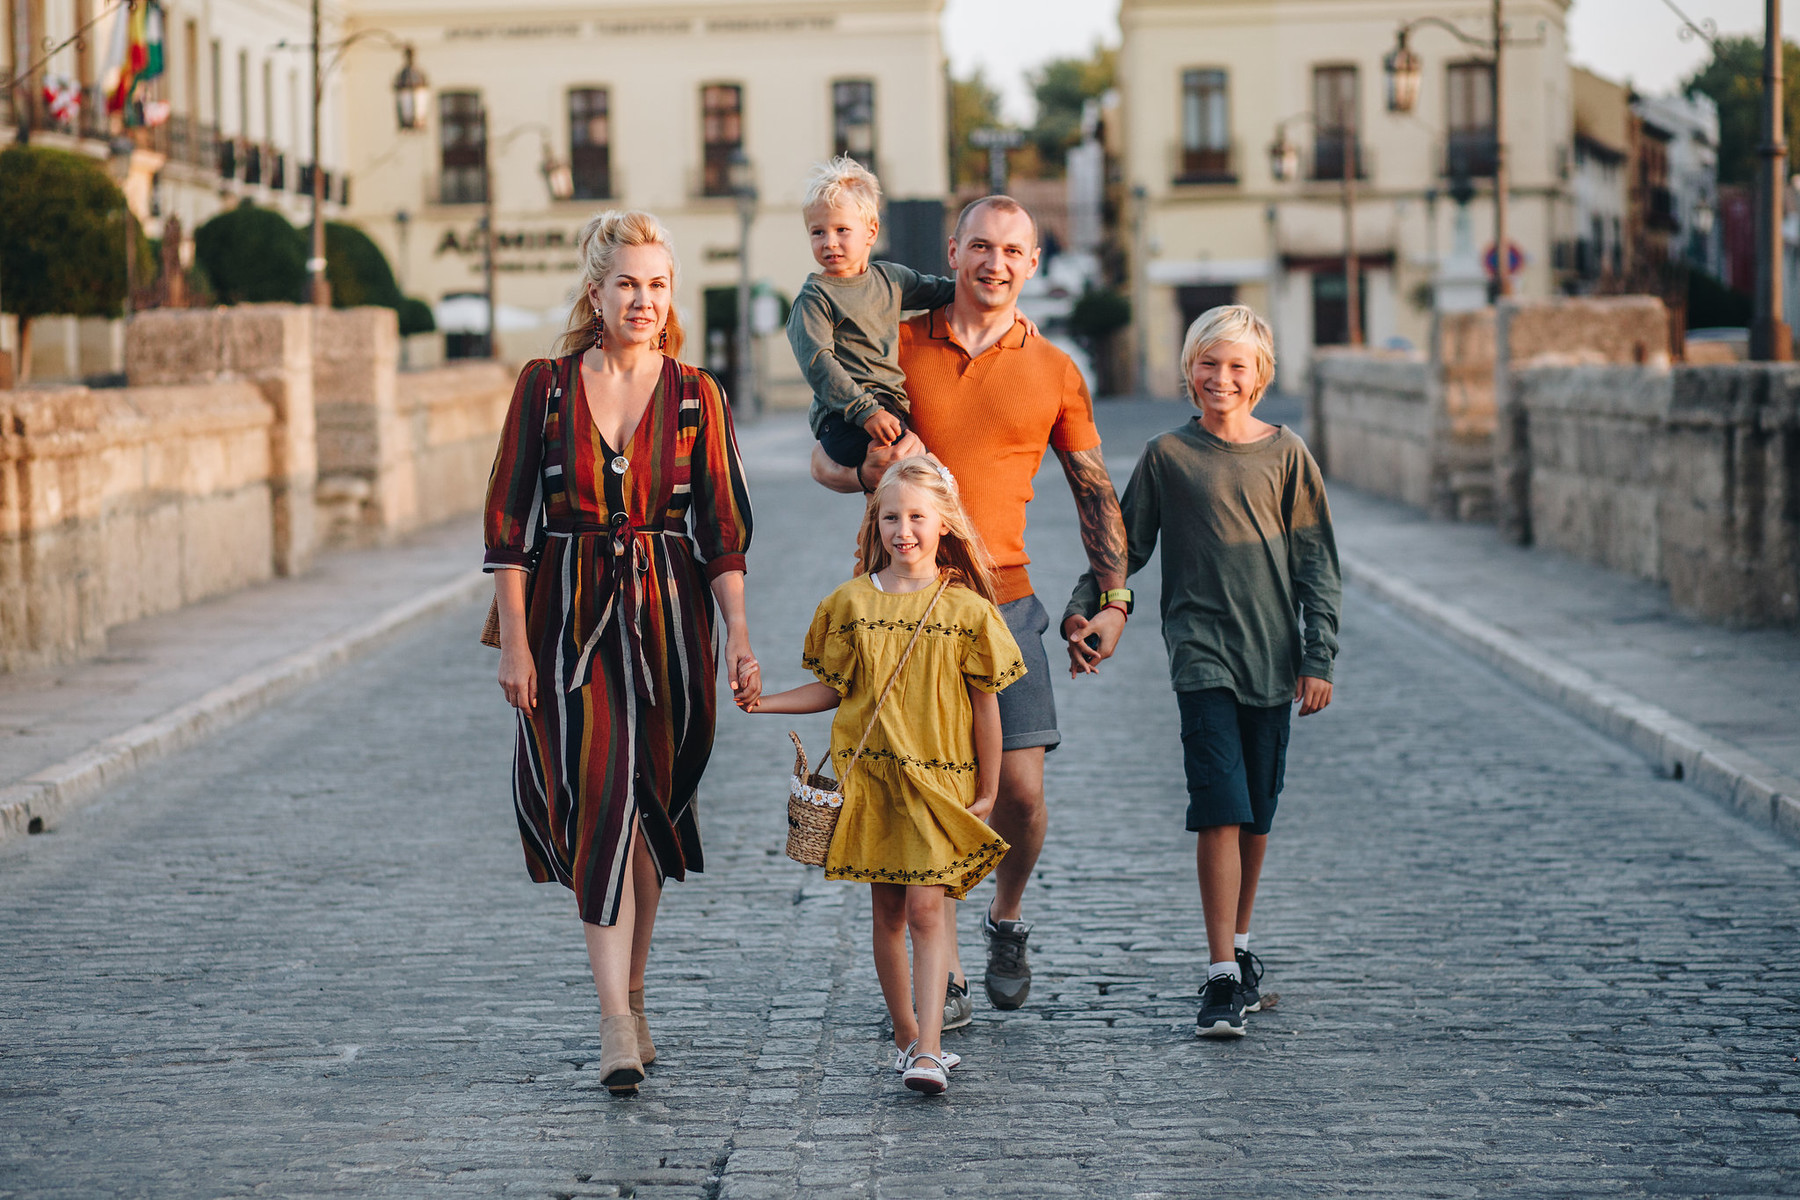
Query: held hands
{"type": "Point", "coordinates": [1313, 694]}
{"type": "Point", "coordinates": [1106, 626]}
{"type": "Point", "coordinates": [742, 670]}
{"type": "Point", "coordinates": [883, 427]}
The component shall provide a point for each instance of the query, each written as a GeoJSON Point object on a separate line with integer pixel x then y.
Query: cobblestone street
{"type": "Point", "coordinates": [304, 958]}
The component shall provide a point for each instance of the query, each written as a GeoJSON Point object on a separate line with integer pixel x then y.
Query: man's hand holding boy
{"type": "Point", "coordinates": [1105, 625]}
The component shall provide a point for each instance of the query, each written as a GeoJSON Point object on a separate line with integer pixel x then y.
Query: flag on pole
{"type": "Point", "coordinates": [142, 54]}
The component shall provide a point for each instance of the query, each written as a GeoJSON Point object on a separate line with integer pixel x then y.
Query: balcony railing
{"type": "Point", "coordinates": [1202, 164]}
{"type": "Point", "coordinates": [1471, 153]}
{"type": "Point", "coordinates": [1659, 209]}
{"type": "Point", "coordinates": [1328, 157]}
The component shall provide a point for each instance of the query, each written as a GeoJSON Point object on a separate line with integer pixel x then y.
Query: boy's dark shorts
{"type": "Point", "coordinates": [1236, 759]}
{"type": "Point", "coordinates": [845, 442]}
{"type": "Point", "coordinates": [1028, 704]}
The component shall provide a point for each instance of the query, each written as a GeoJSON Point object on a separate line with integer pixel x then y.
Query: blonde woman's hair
{"type": "Point", "coordinates": [843, 180]}
{"type": "Point", "coordinates": [1229, 323]}
{"type": "Point", "coordinates": [959, 551]}
{"type": "Point", "coordinates": [599, 244]}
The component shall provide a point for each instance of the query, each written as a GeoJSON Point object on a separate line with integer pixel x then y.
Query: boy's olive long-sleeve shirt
{"type": "Point", "coordinates": [846, 336]}
{"type": "Point", "coordinates": [1250, 583]}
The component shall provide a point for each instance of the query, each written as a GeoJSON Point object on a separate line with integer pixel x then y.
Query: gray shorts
{"type": "Point", "coordinates": [1028, 704]}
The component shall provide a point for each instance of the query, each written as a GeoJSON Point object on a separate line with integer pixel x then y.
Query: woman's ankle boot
{"type": "Point", "coordinates": [621, 1070]}
{"type": "Point", "coordinates": [646, 1047]}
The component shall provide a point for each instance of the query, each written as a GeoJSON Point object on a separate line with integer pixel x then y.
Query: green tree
{"type": "Point", "coordinates": [358, 273]}
{"type": "Point", "coordinates": [1734, 81]}
{"type": "Point", "coordinates": [251, 255]}
{"type": "Point", "coordinates": [1062, 86]}
{"type": "Point", "coordinates": [64, 227]}
{"type": "Point", "coordinates": [973, 105]}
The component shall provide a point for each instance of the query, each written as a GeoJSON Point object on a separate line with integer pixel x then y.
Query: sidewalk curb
{"type": "Point", "coordinates": [45, 797]}
{"type": "Point", "coordinates": [1681, 750]}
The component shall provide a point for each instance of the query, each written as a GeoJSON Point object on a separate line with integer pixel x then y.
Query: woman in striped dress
{"type": "Point", "coordinates": [616, 518]}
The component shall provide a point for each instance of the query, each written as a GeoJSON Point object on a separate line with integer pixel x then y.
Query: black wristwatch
{"type": "Point", "coordinates": [1120, 596]}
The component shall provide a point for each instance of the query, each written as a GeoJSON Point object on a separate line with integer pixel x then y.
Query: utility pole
{"type": "Point", "coordinates": [1770, 340]}
{"type": "Point", "coordinates": [318, 290]}
{"type": "Point", "coordinates": [1352, 277]}
{"type": "Point", "coordinates": [487, 236]}
{"type": "Point", "coordinates": [1502, 243]}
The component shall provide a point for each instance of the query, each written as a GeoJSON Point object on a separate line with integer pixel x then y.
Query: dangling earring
{"type": "Point", "coordinates": [662, 343]}
{"type": "Point", "coordinates": [599, 330]}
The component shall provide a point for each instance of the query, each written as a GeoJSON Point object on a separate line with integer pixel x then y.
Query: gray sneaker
{"type": "Point", "coordinates": [1008, 979]}
{"type": "Point", "coordinates": [957, 1009]}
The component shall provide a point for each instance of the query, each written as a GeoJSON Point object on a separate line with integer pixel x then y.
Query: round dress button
{"type": "Point", "coordinates": [619, 463]}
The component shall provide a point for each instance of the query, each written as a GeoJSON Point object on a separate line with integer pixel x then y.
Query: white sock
{"type": "Point", "coordinates": [1225, 968]}
{"type": "Point", "coordinates": [1240, 942]}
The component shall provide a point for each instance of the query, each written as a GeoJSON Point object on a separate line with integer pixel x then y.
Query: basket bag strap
{"type": "Point", "coordinates": [892, 680]}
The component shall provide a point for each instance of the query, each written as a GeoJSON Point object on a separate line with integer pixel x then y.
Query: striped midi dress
{"type": "Point", "coordinates": [625, 540]}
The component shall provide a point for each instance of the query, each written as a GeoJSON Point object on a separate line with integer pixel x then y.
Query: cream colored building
{"type": "Point", "coordinates": [645, 104]}
{"type": "Point", "coordinates": [238, 121]}
{"type": "Point", "coordinates": [1205, 85]}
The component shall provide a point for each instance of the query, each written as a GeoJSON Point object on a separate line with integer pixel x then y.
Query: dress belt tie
{"type": "Point", "coordinates": [623, 566]}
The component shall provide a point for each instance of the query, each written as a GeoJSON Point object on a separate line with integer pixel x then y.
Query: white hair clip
{"type": "Point", "coordinates": [946, 476]}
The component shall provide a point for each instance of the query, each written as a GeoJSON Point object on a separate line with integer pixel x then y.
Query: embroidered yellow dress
{"type": "Point", "coordinates": [905, 818]}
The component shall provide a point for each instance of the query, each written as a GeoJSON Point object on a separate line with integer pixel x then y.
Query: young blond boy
{"type": "Point", "coordinates": [845, 324]}
{"type": "Point", "coordinates": [1249, 614]}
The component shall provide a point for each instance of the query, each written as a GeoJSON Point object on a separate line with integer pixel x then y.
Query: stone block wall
{"type": "Point", "coordinates": [271, 347]}
{"type": "Point", "coordinates": [455, 413]}
{"type": "Point", "coordinates": [119, 503]}
{"type": "Point", "coordinates": [1689, 476]}
{"type": "Point", "coordinates": [247, 437]}
{"type": "Point", "coordinates": [1599, 462]}
{"type": "Point", "coordinates": [1589, 330]}
{"type": "Point", "coordinates": [1372, 423]}
{"type": "Point", "coordinates": [1731, 508]}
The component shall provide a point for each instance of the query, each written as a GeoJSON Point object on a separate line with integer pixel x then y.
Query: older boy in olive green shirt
{"type": "Point", "coordinates": [1250, 594]}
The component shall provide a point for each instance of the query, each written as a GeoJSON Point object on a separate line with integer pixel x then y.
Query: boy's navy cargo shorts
{"type": "Point", "coordinates": [1236, 759]}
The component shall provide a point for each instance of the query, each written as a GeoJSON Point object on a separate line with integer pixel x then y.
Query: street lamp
{"type": "Point", "coordinates": [741, 175]}
{"type": "Point", "coordinates": [412, 97]}
{"type": "Point", "coordinates": [1284, 164]}
{"type": "Point", "coordinates": [1770, 340]}
{"type": "Point", "coordinates": [1404, 72]}
{"type": "Point", "coordinates": [559, 179]}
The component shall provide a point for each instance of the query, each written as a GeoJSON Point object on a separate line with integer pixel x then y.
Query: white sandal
{"type": "Point", "coordinates": [903, 1059]}
{"type": "Point", "coordinates": [931, 1080]}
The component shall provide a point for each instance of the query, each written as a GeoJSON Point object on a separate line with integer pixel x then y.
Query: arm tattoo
{"type": "Point", "coordinates": [1096, 504]}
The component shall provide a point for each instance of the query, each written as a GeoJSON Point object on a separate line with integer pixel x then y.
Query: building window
{"type": "Point", "coordinates": [1331, 307]}
{"type": "Point", "coordinates": [1205, 129]}
{"type": "Point", "coordinates": [590, 143]}
{"type": "Point", "coordinates": [462, 148]}
{"type": "Point", "coordinates": [1336, 103]}
{"type": "Point", "coordinates": [721, 132]}
{"type": "Point", "coordinates": [1469, 104]}
{"type": "Point", "coordinates": [853, 120]}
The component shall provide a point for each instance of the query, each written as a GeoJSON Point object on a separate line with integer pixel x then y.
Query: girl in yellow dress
{"type": "Point", "coordinates": [912, 825]}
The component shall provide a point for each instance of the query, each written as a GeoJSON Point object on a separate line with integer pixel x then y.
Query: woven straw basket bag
{"type": "Point", "coordinates": [816, 800]}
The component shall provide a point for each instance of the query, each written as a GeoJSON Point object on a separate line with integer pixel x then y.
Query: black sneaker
{"type": "Point", "coordinates": [1221, 1009]}
{"type": "Point", "coordinates": [1249, 995]}
{"type": "Point", "coordinates": [1008, 979]}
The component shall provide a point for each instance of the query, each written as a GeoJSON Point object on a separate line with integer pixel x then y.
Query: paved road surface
{"type": "Point", "coordinates": [305, 960]}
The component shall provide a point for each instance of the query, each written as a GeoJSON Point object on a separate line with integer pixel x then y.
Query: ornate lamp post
{"type": "Point", "coordinates": [559, 179]}
{"type": "Point", "coordinates": [743, 186]}
{"type": "Point", "coordinates": [1404, 72]}
{"type": "Point", "coordinates": [1284, 164]}
{"type": "Point", "coordinates": [412, 99]}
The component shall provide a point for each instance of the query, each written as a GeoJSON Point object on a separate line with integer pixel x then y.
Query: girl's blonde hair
{"type": "Point", "coordinates": [843, 180]}
{"type": "Point", "coordinates": [1229, 323]}
{"type": "Point", "coordinates": [599, 244]}
{"type": "Point", "coordinates": [959, 551]}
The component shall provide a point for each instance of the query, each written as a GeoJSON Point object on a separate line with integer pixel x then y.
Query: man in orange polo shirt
{"type": "Point", "coordinates": [988, 397]}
